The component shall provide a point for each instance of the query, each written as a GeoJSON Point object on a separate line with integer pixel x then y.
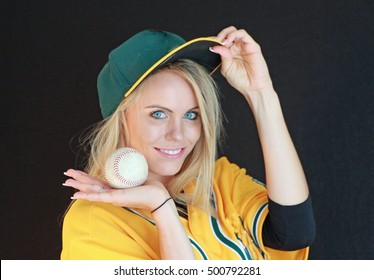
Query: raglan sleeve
{"type": "Point", "coordinates": [249, 200]}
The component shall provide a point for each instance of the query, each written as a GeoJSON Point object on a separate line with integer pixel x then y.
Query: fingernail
{"type": "Point", "coordinates": [66, 174]}
{"type": "Point", "coordinates": [211, 49]}
{"type": "Point", "coordinates": [64, 184]}
{"type": "Point", "coordinates": [72, 197]}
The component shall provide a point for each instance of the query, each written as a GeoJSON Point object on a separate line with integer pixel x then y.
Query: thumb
{"type": "Point", "coordinates": [226, 57]}
{"type": "Point", "coordinates": [222, 51]}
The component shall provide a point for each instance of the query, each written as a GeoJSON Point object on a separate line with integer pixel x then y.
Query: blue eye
{"type": "Point", "coordinates": [158, 115]}
{"type": "Point", "coordinates": [191, 115]}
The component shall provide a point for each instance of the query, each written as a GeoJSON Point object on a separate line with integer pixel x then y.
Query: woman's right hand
{"type": "Point", "coordinates": [148, 196]}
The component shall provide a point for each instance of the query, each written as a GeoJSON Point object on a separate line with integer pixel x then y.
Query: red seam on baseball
{"type": "Point", "coordinates": [117, 175]}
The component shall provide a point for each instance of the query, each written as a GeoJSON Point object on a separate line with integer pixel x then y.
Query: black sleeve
{"type": "Point", "coordinates": [289, 228]}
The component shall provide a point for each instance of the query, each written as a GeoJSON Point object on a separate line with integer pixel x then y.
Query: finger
{"type": "Point", "coordinates": [78, 175]}
{"type": "Point", "coordinates": [223, 34]}
{"type": "Point", "coordinates": [131, 197]}
{"type": "Point", "coordinates": [83, 187]}
{"type": "Point", "coordinates": [84, 177]}
{"type": "Point", "coordinates": [224, 52]}
{"type": "Point", "coordinates": [106, 197]}
{"type": "Point", "coordinates": [239, 36]}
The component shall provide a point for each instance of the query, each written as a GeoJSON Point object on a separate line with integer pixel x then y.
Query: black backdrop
{"type": "Point", "coordinates": [320, 55]}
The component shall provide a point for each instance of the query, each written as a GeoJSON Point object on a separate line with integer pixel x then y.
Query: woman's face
{"type": "Point", "coordinates": [164, 124]}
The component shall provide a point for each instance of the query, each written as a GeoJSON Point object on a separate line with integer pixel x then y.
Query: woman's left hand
{"type": "Point", "coordinates": [244, 67]}
{"type": "Point", "coordinates": [243, 64]}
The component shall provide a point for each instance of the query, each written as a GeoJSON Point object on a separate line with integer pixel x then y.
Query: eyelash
{"type": "Point", "coordinates": [193, 112]}
{"type": "Point", "coordinates": [153, 115]}
{"type": "Point", "coordinates": [157, 111]}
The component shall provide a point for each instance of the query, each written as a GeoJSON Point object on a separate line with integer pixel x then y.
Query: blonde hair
{"type": "Point", "coordinates": [198, 167]}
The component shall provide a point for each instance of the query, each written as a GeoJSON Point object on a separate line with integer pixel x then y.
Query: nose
{"type": "Point", "coordinates": [175, 130]}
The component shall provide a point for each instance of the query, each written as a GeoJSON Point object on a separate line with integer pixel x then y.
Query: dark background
{"type": "Point", "coordinates": [320, 55]}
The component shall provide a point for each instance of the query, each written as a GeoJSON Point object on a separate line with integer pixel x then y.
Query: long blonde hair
{"type": "Point", "coordinates": [198, 167]}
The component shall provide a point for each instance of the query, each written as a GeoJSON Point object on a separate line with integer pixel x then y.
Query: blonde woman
{"type": "Point", "coordinates": [157, 96]}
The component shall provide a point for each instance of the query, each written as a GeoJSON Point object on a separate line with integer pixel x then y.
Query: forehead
{"type": "Point", "coordinates": [167, 88]}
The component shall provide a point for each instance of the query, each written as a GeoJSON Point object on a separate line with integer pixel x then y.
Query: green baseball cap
{"type": "Point", "coordinates": [133, 61]}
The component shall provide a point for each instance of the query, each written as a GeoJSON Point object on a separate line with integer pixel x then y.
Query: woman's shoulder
{"type": "Point", "coordinates": [95, 213]}
{"type": "Point", "coordinates": [82, 213]}
{"type": "Point", "coordinates": [95, 219]}
{"type": "Point", "coordinates": [104, 231]}
{"type": "Point", "coordinates": [84, 207]}
{"type": "Point", "coordinates": [230, 175]}
{"type": "Point", "coordinates": [223, 166]}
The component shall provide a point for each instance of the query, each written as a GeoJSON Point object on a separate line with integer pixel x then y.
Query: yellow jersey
{"type": "Point", "coordinates": [102, 231]}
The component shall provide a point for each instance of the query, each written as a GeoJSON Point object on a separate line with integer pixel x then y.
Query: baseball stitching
{"type": "Point", "coordinates": [117, 175]}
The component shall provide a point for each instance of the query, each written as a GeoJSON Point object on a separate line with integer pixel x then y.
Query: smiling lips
{"type": "Point", "coordinates": [171, 153]}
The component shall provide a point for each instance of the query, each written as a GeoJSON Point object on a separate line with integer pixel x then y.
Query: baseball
{"type": "Point", "coordinates": [125, 168]}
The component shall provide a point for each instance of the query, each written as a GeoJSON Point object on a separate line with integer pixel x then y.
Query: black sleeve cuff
{"type": "Point", "coordinates": [289, 228]}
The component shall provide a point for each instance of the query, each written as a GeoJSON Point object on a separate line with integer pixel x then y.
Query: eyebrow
{"type": "Point", "coordinates": [167, 109]}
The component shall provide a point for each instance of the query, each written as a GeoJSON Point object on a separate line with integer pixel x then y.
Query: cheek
{"type": "Point", "coordinates": [136, 134]}
{"type": "Point", "coordinates": [194, 134]}
{"type": "Point", "coordinates": [142, 135]}
{"type": "Point", "coordinates": [151, 133]}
